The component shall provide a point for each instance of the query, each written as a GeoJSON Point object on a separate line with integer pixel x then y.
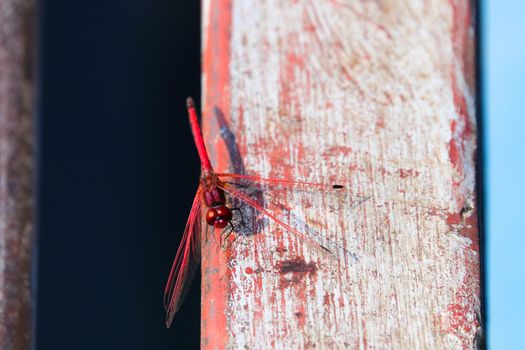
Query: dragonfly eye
{"type": "Point", "coordinates": [211, 216]}
{"type": "Point", "coordinates": [223, 212]}
{"type": "Point", "coordinates": [221, 223]}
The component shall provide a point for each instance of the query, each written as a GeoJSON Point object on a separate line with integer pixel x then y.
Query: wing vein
{"type": "Point", "coordinates": [252, 203]}
{"type": "Point", "coordinates": [186, 261]}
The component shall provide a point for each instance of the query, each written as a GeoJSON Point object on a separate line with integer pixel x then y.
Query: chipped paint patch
{"type": "Point", "coordinates": [293, 271]}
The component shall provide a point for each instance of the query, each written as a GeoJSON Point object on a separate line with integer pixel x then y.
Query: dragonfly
{"type": "Point", "coordinates": [212, 192]}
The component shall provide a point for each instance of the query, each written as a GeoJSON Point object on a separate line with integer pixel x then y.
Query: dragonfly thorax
{"type": "Point", "coordinates": [214, 197]}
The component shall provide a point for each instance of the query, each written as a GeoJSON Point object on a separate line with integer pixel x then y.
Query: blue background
{"type": "Point", "coordinates": [503, 46]}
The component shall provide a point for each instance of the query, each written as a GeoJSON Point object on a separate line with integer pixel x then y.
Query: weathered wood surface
{"type": "Point", "coordinates": [378, 95]}
{"type": "Point", "coordinates": [16, 172]}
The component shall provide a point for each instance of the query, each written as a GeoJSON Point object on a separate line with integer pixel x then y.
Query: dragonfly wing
{"type": "Point", "coordinates": [253, 203]}
{"type": "Point", "coordinates": [249, 180]}
{"type": "Point", "coordinates": [186, 261]}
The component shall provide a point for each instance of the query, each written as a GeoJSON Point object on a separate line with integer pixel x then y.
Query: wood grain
{"type": "Point", "coordinates": [16, 172]}
{"type": "Point", "coordinates": [378, 95]}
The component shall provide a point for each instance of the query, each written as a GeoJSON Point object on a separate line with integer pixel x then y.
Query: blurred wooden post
{"type": "Point", "coordinates": [380, 96]}
{"type": "Point", "coordinates": [16, 172]}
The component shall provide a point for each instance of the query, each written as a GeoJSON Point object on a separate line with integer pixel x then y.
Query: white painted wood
{"type": "Point", "coordinates": [378, 95]}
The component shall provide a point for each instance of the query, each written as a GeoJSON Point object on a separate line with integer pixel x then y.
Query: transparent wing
{"type": "Point", "coordinates": [186, 261]}
{"type": "Point", "coordinates": [250, 180]}
{"type": "Point", "coordinates": [270, 199]}
{"type": "Point", "coordinates": [253, 203]}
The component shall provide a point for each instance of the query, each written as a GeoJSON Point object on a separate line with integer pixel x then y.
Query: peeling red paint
{"type": "Point", "coordinates": [300, 314]}
{"type": "Point", "coordinates": [404, 173]}
{"type": "Point", "coordinates": [471, 229]}
{"type": "Point", "coordinates": [216, 274]}
{"type": "Point", "coordinates": [328, 299]}
{"type": "Point", "coordinates": [458, 318]}
{"type": "Point", "coordinates": [337, 150]}
{"type": "Point", "coordinates": [453, 218]}
{"type": "Point", "coordinates": [281, 247]}
{"type": "Point", "coordinates": [454, 155]}
{"type": "Point", "coordinates": [293, 65]}
{"type": "Point", "coordinates": [380, 122]}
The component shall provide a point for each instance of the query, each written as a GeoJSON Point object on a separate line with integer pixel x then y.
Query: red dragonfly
{"type": "Point", "coordinates": [212, 190]}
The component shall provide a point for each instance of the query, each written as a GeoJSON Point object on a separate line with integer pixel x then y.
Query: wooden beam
{"type": "Point", "coordinates": [378, 95]}
{"type": "Point", "coordinates": [16, 172]}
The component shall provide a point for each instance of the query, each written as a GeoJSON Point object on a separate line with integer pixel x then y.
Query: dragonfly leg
{"type": "Point", "coordinates": [233, 241]}
{"type": "Point", "coordinates": [219, 246]}
{"type": "Point", "coordinates": [236, 236]}
{"type": "Point", "coordinates": [206, 233]}
{"type": "Point", "coordinates": [213, 235]}
{"type": "Point", "coordinates": [226, 234]}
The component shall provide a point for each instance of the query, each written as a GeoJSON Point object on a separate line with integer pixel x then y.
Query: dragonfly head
{"type": "Point", "coordinates": [219, 216]}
